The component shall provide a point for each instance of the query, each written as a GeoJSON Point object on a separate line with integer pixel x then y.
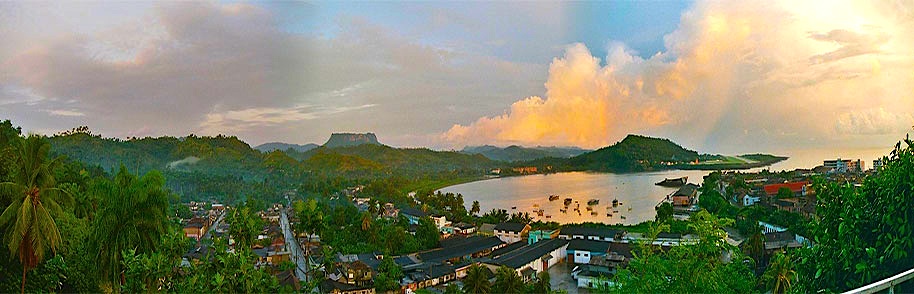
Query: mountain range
{"type": "Point", "coordinates": [516, 153]}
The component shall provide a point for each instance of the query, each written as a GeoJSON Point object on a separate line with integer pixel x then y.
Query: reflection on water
{"type": "Point", "coordinates": [636, 191]}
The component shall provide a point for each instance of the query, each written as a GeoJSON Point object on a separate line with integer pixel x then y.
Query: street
{"type": "Point", "coordinates": [298, 257]}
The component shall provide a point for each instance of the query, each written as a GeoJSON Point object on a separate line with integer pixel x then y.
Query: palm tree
{"type": "Point", "coordinates": [132, 214]}
{"type": "Point", "coordinates": [475, 208]}
{"type": "Point", "coordinates": [477, 280]}
{"type": "Point", "coordinates": [30, 229]}
{"type": "Point", "coordinates": [245, 226]}
{"type": "Point", "coordinates": [780, 273]}
{"type": "Point", "coordinates": [755, 247]}
{"type": "Point", "coordinates": [366, 221]}
{"type": "Point", "coordinates": [543, 285]}
{"type": "Point", "coordinates": [507, 281]}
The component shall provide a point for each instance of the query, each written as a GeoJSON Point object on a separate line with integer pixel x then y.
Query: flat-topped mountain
{"type": "Point", "coordinates": [351, 139]}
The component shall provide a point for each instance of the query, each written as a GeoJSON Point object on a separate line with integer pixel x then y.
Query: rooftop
{"type": "Point", "coordinates": [510, 227]}
{"type": "Point", "coordinates": [527, 254]}
{"type": "Point", "coordinates": [468, 246]}
{"type": "Point", "coordinates": [588, 245]}
{"type": "Point", "coordinates": [587, 231]}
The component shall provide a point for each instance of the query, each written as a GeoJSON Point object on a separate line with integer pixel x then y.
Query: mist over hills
{"type": "Point", "coordinates": [273, 146]}
{"type": "Point", "coordinates": [516, 153]}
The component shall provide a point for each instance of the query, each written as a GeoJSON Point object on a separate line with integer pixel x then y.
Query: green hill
{"type": "Point", "coordinates": [634, 153]}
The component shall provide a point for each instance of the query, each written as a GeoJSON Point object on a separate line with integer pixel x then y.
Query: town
{"type": "Point", "coordinates": [769, 207]}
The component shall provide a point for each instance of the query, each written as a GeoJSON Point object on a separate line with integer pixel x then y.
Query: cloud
{"type": "Point", "coordinates": [204, 67]}
{"type": "Point", "coordinates": [735, 75]}
{"type": "Point", "coordinates": [239, 120]}
{"type": "Point", "coordinates": [64, 112]}
{"type": "Point", "coordinates": [874, 121]}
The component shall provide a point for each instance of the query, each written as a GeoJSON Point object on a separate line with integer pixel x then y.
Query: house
{"type": "Point", "coordinates": [195, 228]}
{"type": "Point", "coordinates": [288, 278]}
{"type": "Point", "coordinates": [537, 257]}
{"type": "Point", "coordinates": [487, 230]}
{"type": "Point", "coordinates": [389, 211]}
{"type": "Point", "coordinates": [685, 196]}
{"type": "Point", "coordinates": [355, 273]}
{"type": "Point", "coordinates": [427, 275]}
{"type": "Point", "coordinates": [750, 200]}
{"type": "Point", "coordinates": [334, 287]}
{"type": "Point", "coordinates": [799, 189]}
{"type": "Point", "coordinates": [412, 215]}
{"type": "Point", "coordinates": [580, 251]}
{"type": "Point", "coordinates": [441, 222]}
{"type": "Point", "coordinates": [537, 235]}
{"type": "Point", "coordinates": [277, 257]}
{"type": "Point", "coordinates": [525, 170]}
{"type": "Point", "coordinates": [587, 233]}
{"type": "Point", "coordinates": [464, 228]}
{"type": "Point", "coordinates": [776, 241]}
{"type": "Point", "coordinates": [511, 232]}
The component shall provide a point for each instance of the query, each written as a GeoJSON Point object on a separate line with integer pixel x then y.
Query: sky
{"type": "Point", "coordinates": [715, 76]}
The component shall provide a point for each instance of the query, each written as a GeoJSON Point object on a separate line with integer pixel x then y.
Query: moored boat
{"type": "Point", "coordinates": [615, 202]}
{"type": "Point", "coordinates": [593, 202]}
{"type": "Point", "coordinates": [673, 182]}
{"type": "Point", "coordinates": [553, 197]}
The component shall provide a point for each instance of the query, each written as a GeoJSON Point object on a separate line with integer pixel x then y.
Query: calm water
{"type": "Point", "coordinates": [636, 191]}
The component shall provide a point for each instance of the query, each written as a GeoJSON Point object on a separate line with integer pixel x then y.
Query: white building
{"type": "Point", "coordinates": [512, 232]}
{"type": "Point", "coordinates": [749, 200]}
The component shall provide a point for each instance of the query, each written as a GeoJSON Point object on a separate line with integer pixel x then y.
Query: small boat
{"type": "Point", "coordinates": [553, 197]}
{"type": "Point", "coordinates": [615, 202]}
{"type": "Point", "coordinates": [673, 182]}
{"type": "Point", "coordinates": [563, 210]}
{"type": "Point", "coordinates": [629, 209]}
{"type": "Point", "coordinates": [609, 214]}
{"type": "Point", "coordinates": [536, 205]}
{"type": "Point", "coordinates": [623, 217]}
{"type": "Point", "coordinates": [513, 207]}
{"type": "Point", "coordinates": [548, 216]}
{"type": "Point", "coordinates": [567, 201]}
{"type": "Point", "coordinates": [540, 212]}
{"type": "Point", "coordinates": [589, 208]}
{"type": "Point", "coordinates": [593, 213]}
{"type": "Point", "coordinates": [615, 211]}
{"type": "Point", "coordinates": [593, 202]}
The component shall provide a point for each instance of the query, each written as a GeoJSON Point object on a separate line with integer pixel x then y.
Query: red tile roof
{"type": "Point", "coordinates": [793, 186]}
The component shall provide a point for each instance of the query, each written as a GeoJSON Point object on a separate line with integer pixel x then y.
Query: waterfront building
{"type": "Point", "coordinates": [511, 232]}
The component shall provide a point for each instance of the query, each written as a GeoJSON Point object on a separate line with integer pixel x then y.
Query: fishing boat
{"type": "Point", "coordinates": [553, 197]}
{"type": "Point", "coordinates": [615, 211]}
{"type": "Point", "coordinates": [673, 182]}
{"type": "Point", "coordinates": [609, 214]}
{"type": "Point", "coordinates": [593, 202]}
{"type": "Point", "coordinates": [548, 216]}
{"type": "Point", "coordinates": [563, 210]}
{"type": "Point", "coordinates": [536, 205]}
{"type": "Point", "coordinates": [593, 213]}
{"type": "Point", "coordinates": [629, 209]}
{"type": "Point", "coordinates": [589, 208]}
{"type": "Point", "coordinates": [540, 212]}
{"type": "Point", "coordinates": [622, 217]}
{"type": "Point", "coordinates": [513, 207]}
{"type": "Point", "coordinates": [567, 201]}
{"type": "Point", "coordinates": [615, 202]}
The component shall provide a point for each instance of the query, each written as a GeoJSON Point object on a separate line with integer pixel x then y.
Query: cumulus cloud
{"type": "Point", "coordinates": [742, 74]}
{"type": "Point", "coordinates": [875, 121]}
